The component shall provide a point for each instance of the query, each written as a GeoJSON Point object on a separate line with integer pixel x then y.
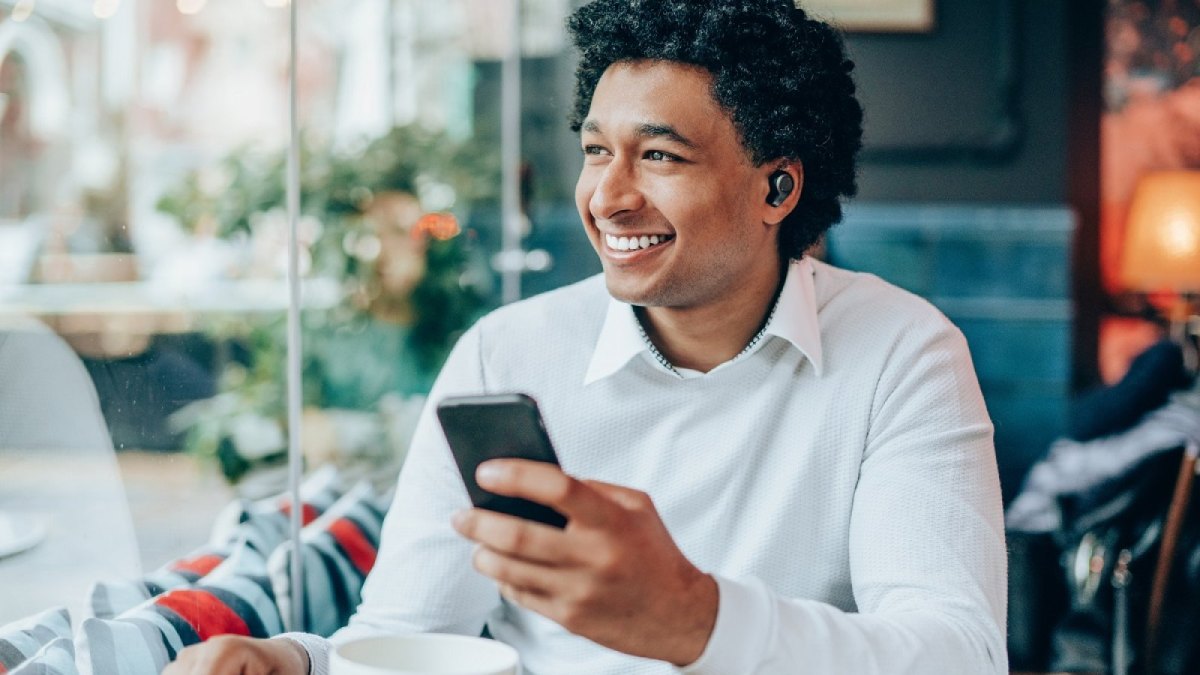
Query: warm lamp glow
{"type": "Point", "coordinates": [1162, 238]}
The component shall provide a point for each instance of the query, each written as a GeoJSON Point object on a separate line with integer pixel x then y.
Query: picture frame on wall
{"type": "Point", "coordinates": [876, 16]}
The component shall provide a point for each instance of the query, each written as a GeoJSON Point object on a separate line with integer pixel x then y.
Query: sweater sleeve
{"type": "Point", "coordinates": [315, 646]}
{"type": "Point", "coordinates": [927, 552]}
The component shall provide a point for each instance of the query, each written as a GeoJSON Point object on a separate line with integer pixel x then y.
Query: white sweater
{"type": "Point", "coordinates": [839, 481]}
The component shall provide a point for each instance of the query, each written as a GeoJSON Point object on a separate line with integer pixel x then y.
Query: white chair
{"type": "Point", "coordinates": [58, 479]}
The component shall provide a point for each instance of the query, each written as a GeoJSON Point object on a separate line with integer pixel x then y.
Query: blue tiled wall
{"type": "Point", "coordinates": [1002, 274]}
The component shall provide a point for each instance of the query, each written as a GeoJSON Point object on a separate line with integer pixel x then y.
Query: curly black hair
{"type": "Point", "coordinates": [783, 77]}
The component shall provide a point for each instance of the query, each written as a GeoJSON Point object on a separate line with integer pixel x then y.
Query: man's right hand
{"type": "Point", "coordinates": [236, 655]}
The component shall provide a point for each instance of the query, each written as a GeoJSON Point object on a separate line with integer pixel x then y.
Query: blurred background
{"type": "Point", "coordinates": [143, 230]}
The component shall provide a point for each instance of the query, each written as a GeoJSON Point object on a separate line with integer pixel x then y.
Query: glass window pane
{"type": "Point", "coordinates": [143, 248]}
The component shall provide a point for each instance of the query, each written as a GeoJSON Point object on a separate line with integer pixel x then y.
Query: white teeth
{"type": "Point", "coordinates": [633, 243]}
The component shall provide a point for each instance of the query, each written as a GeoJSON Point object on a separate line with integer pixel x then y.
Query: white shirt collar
{"type": "Point", "coordinates": [795, 320]}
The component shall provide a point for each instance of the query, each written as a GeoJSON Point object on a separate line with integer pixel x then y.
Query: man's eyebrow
{"type": "Point", "coordinates": [647, 130]}
{"type": "Point", "coordinates": [650, 130]}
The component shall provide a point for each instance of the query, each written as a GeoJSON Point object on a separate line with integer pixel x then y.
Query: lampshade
{"type": "Point", "coordinates": [1162, 236]}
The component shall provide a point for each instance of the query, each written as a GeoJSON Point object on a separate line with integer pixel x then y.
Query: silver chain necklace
{"type": "Point", "coordinates": [658, 356]}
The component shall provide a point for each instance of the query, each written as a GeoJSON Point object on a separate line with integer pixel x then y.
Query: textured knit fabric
{"type": "Point", "coordinates": [850, 512]}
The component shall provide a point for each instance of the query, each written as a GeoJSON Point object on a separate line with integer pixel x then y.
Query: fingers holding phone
{"type": "Point", "coordinates": [594, 557]}
{"type": "Point", "coordinates": [480, 428]}
{"type": "Point", "coordinates": [614, 575]}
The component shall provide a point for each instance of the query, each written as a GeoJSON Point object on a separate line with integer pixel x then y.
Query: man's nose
{"type": "Point", "coordinates": [616, 191]}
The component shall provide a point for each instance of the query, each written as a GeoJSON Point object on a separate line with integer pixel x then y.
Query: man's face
{"type": "Point", "coordinates": [662, 161]}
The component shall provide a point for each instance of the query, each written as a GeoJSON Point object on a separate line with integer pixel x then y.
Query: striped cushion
{"type": "Point", "coordinates": [339, 549]}
{"type": "Point", "coordinates": [56, 658]}
{"type": "Point", "coordinates": [266, 522]}
{"type": "Point", "coordinates": [262, 525]}
{"type": "Point", "coordinates": [235, 598]}
{"type": "Point", "coordinates": [22, 639]}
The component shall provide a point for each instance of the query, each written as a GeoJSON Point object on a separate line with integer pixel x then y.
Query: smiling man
{"type": "Point", "coordinates": [769, 465]}
{"type": "Point", "coordinates": [663, 162]}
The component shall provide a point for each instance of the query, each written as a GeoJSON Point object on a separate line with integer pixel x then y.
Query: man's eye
{"type": "Point", "coordinates": [660, 156]}
{"type": "Point", "coordinates": [593, 150]}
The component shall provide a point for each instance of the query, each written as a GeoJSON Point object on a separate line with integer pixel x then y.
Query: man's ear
{"type": "Point", "coordinates": [785, 183]}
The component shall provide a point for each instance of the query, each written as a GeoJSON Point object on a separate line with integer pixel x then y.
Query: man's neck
{"type": "Point", "coordinates": [702, 338]}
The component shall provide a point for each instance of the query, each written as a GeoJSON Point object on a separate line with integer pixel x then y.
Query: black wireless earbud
{"type": "Point", "coordinates": [781, 186]}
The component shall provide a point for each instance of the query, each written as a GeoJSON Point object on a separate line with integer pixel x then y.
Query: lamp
{"type": "Point", "coordinates": [1162, 253]}
{"type": "Point", "coordinates": [1162, 247]}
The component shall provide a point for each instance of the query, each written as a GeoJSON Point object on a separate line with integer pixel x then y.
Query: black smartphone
{"type": "Point", "coordinates": [491, 426]}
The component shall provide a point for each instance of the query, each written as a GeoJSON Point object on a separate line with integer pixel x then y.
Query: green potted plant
{"type": "Point", "coordinates": [381, 222]}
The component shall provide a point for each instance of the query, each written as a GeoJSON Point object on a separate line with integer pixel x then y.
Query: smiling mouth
{"type": "Point", "coordinates": [636, 243]}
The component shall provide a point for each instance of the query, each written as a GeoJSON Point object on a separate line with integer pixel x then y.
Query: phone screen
{"type": "Point", "coordinates": [479, 428]}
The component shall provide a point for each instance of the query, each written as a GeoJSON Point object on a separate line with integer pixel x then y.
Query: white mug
{"type": "Point", "coordinates": [424, 654]}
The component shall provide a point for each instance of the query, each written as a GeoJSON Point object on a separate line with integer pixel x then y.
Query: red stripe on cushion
{"type": "Point", "coordinates": [207, 615]}
{"type": "Point", "coordinates": [352, 541]}
{"type": "Point", "coordinates": [308, 512]}
{"type": "Point", "coordinates": [200, 565]}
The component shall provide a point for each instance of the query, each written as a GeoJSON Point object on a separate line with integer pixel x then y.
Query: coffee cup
{"type": "Point", "coordinates": [424, 654]}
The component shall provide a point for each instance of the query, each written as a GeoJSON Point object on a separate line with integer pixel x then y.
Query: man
{"type": "Point", "coordinates": [771, 465]}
